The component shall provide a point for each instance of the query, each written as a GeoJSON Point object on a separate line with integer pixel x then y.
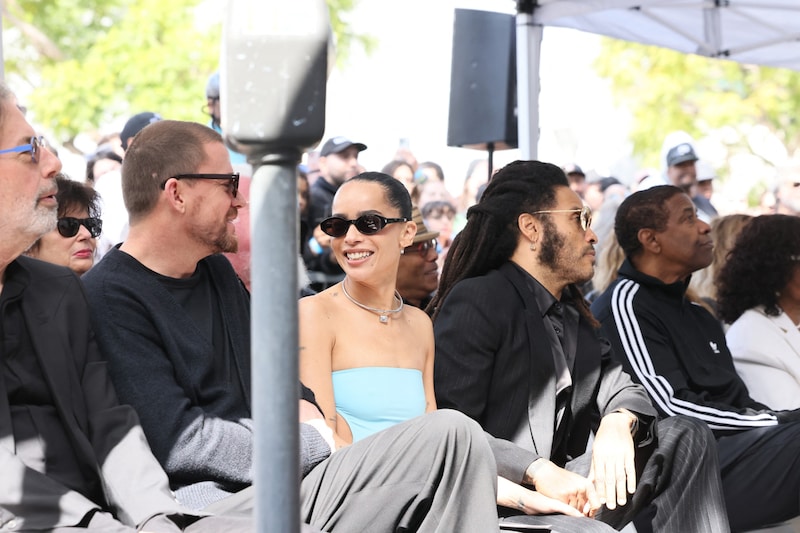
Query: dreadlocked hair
{"type": "Point", "coordinates": [490, 236]}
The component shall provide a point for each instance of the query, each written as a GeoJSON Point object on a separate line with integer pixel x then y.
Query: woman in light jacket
{"type": "Point", "coordinates": [759, 295]}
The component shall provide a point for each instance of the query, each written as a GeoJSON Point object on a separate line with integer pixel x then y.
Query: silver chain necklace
{"type": "Point", "coordinates": [383, 314]}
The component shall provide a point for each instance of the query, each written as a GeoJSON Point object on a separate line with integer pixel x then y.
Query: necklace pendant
{"type": "Point", "coordinates": [384, 319]}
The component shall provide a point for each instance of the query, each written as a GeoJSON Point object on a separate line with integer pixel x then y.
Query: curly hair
{"type": "Point", "coordinates": [759, 266]}
{"type": "Point", "coordinates": [642, 209]}
{"type": "Point", "coordinates": [490, 236]}
{"type": "Point", "coordinates": [74, 195]}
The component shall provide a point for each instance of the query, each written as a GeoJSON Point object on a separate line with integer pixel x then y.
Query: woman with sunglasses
{"type": "Point", "coordinates": [366, 355]}
{"type": "Point", "coordinates": [72, 244]}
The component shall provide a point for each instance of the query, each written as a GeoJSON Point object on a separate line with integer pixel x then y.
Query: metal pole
{"type": "Point", "coordinates": [274, 330]}
{"type": "Point", "coordinates": [529, 45]}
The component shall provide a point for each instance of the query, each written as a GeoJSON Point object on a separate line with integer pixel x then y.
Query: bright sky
{"type": "Point", "coordinates": [402, 91]}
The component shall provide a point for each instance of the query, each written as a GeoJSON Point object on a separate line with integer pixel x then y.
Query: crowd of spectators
{"type": "Point", "coordinates": [549, 349]}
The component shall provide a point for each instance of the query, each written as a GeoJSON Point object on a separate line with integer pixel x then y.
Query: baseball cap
{"type": "Point", "coordinates": [136, 124]}
{"type": "Point", "coordinates": [335, 145]}
{"type": "Point", "coordinates": [681, 154]}
{"type": "Point", "coordinates": [212, 87]}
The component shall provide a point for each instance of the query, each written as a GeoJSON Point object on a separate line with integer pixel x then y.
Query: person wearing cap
{"type": "Point", "coordinates": [338, 162]}
{"type": "Point", "coordinates": [213, 108]}
{"type": "Point", "coordinates": [681, 166]}
{"type": "Point", "coordinates": [577, 178]}
{"type": "Point", "coordinates": [418, 273]}
{"type": "Point", "coordinates": [109, 187]}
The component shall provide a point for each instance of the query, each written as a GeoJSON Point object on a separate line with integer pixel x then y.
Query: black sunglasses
{"type": "Point", "coordinates": [366, 224]}
{"type": "Point", "coordinates": [69, 226]}
{"type": "Point", "coordinates": [233, 183]}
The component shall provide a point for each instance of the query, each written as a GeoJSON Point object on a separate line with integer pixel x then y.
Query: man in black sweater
{"type": "Point", "coordinates": [676, 349]}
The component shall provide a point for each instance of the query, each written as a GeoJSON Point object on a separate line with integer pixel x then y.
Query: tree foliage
{"type": "Point", "coordinates": [668, 91]}
{"type": "Point", "coordinates": [88, 62]}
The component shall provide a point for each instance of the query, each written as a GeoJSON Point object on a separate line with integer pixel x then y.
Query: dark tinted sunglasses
{"type": "Point", "coordinates": [233, 180]}
{"type": "Point", "coordinates": [69, 226]}
{"type": "Point", "coordinates": [422, 247]}
{"type": "Point", "coordinates": [366, 224]}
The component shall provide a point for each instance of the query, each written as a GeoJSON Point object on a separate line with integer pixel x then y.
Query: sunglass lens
{"type": "Point", "coordinates": [68, 227]}
{"type": "Point", "coordinates": [586, 218]}
{"type": "Point", "coordinates": [334, 226]}
{"type": "Point", "coordinates": [369, 224]}
{"type": "Point", "coordinates": [95, 226]}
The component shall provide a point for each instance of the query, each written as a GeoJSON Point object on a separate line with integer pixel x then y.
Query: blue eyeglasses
{"type": "Point", "coordinates": [35, 147]}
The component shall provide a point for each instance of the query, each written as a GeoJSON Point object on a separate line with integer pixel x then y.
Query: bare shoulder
{"type": "Point", "coordinates": [418, 319]}
{"type": "Point", "coordinates": [320, 307]}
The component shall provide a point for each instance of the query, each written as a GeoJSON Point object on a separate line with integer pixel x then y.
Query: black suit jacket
{"type": "Point", "coordinates": [104, 434]}
{"type": "Point", "coordinates": [494, 363]}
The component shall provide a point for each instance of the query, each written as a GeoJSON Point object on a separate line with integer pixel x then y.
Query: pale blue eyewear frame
{"type": "Point", "coordinates": [34, 147]}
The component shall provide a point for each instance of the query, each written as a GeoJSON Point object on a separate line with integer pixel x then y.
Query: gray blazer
{"type": "Point", "coordinates": [104, 434]}
{"type": "Point", "coordinates": [494, 363]}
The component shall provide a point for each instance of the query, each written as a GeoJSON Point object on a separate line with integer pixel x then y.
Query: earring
{"type": "Point", "coordinates": [402, 251]}
{"type": "Point", "coordinates": [533, 246]}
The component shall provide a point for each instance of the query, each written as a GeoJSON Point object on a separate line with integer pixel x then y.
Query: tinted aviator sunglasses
{"type": "Point", "coordinates": [69, 226]}
{"type": "Point", "coordinates": [35, 147]}
{"type": "Point", "coordinates": [422, 247]}
{"type": "Point", "coordinates": [366, 224]}
{"type": "Point", "coordinates": [585, 218]}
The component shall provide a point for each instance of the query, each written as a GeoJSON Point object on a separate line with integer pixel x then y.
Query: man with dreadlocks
{"type": "Point", "coordinates": [517, 350]}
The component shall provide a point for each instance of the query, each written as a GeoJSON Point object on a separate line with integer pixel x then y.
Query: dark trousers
{"type": "Point", "coordinates": [678, 485]}
{"type": "Point", "coordinates": [761, 475]}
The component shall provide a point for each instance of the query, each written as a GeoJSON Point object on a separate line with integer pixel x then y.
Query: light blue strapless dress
{"type": "Point", "coordinates": [377, 397]}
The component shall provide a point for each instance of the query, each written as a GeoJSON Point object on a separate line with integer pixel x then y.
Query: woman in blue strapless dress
{"type": "Point", "coordinates": [367, 357]}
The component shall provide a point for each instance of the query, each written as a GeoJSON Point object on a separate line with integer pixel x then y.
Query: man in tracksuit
{"type": "Point", "coordinates": [676, 349]}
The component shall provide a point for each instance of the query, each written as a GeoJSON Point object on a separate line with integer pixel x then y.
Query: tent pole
{"type": "Point", "coordinates": [529, 45]}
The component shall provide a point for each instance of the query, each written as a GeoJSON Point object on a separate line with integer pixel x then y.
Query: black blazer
{"type": "Point", "coordinates": [494, 363]}
{"type": "Point", "coordinates": [104, 434]}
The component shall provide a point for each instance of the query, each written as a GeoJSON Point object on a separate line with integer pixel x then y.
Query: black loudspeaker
{"type": "Point", "coordinates": [483, 81]}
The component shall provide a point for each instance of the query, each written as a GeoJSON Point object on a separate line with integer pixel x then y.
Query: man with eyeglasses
{"type": "Point", "coordinates": [418, 272]}
{"type": "Point", "coordinates": [517, 350]}
{"type": "Point", "coordinates": [174, 321]}
{"type": "Point", "coordinates": [72, 457]}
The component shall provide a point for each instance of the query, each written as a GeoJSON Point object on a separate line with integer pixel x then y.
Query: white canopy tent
{"type": "Point", "coordinates": [763, 32]}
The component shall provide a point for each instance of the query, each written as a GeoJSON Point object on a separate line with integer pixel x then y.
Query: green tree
{"type": "Point", "coordinates": [88, 62]}
{"type": "Point", "coordinates": [667, 91]}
